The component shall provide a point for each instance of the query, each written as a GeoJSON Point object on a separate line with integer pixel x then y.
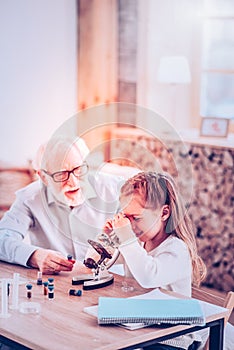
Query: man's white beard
{"type": "Point", "coordinates": [71, 202]}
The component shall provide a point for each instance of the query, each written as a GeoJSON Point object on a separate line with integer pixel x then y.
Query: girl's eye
{"type": "Point", "coordinates": [136, 219]}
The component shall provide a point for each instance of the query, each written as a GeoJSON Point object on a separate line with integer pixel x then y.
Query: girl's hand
{"type": "Point", "coordinates": [108, 228]}
{"type": "Point", "coordinates": [122, 228]}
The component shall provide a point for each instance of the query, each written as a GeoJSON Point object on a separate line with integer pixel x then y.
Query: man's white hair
{"type": "Point", "coordinates": [57, 145]}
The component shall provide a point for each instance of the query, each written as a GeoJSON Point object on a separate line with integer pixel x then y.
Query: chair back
{"type": "Point", "coordinates": [215, 298]}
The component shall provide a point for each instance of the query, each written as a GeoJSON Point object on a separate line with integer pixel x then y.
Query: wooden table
{"type": "Point", "coordinates": [62, 323]}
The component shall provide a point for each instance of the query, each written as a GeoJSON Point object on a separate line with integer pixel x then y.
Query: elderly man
{"type": "Point", "coordinates": [54, 216]}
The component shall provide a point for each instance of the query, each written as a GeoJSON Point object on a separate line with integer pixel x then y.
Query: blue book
{"type": "Point", "coordinates": [150, 311]}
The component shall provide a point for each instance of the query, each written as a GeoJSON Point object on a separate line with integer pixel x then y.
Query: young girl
{"type": "Point", "coordinates": [156, 239]}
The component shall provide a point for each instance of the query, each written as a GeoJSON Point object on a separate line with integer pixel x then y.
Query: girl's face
{"type": "Point", "coordinates": [146, 223]}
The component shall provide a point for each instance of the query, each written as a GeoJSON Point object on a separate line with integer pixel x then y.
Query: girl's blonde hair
{"type": "Point", "coordinates": [156, 190]}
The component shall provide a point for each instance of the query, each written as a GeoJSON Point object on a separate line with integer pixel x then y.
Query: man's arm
{"type": "Point", "coordinates": [13, 249]}
{"type": "Point", "coordinates": [14, 226]}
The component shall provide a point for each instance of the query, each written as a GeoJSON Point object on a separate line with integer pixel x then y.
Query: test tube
{"type": "Point", "coordinates": [75, 292]}
{"type": "Point", "coordinates": [15, 291]}
{"type": "Point", "coordinates": [50, 281]}
{"type": "Point", "coordinates": [45, 290]}
{"type": "Point", "coordinates": [70, 258]}
{"type": "Point", "coordinates": [4, 303]}
{"type": "Point", "coordinates": [39, 278]}
{"type": "Point", "coordinates": [29, 290]}
{"type": "Point", "coordinates": [50, 292]}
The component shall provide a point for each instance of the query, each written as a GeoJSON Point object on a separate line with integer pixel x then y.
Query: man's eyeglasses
{"type": "Point", "coordinates": [60, 176]}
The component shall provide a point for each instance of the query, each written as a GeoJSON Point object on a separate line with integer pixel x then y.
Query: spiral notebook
{"type": "Point", "coordinates": [150, 311]}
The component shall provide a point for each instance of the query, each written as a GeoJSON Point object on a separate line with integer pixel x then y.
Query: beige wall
{"type": "Point", "coordinates": [165, 28]}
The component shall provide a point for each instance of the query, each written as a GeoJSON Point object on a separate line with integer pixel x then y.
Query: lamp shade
{"type": "Point", "coordinates": [174, 70]}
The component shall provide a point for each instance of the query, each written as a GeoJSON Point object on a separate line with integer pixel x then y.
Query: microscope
{"type": "Point", "coordinates": [100, 276]}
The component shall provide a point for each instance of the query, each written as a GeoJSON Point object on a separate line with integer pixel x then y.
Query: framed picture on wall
{"type": "Point", "coordinates": [214, 127]}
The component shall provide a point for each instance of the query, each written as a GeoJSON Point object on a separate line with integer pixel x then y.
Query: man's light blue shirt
{"type": "Point", "coordinates": [37, 217]}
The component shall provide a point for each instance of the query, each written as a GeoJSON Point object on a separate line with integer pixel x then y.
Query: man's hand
{"type": "Point", "coordinates": [49, 261]}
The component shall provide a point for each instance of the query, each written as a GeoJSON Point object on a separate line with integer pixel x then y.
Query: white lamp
{"type": "Point", "coordinates": [174, 70]}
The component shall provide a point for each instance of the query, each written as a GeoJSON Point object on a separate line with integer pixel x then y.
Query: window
{"type": "Point", "coordinates": [217, 81]}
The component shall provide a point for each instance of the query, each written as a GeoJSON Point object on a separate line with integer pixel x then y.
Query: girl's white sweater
{"type": "Point", "coordinates": [167, 266]}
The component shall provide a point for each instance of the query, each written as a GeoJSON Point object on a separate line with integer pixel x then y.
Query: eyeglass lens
{"type": "Point", "coordinates": [64, 175]}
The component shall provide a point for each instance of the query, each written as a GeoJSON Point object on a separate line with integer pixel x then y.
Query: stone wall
{"type": "Point", "coordinates": [205, 175]}
{"type": "Point", "coordinates": [212, 211]}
